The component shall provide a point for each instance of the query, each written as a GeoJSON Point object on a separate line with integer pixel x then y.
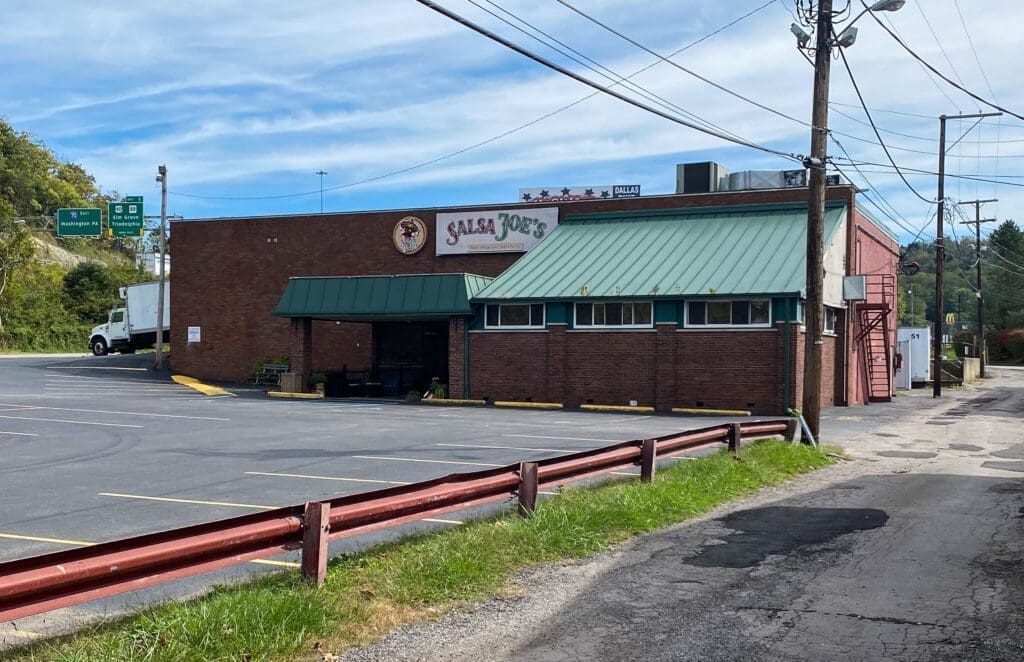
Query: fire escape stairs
{"type": "Point", "coordinates": [874, 338]}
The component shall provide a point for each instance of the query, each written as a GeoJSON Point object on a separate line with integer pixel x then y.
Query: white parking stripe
{"type": "Point", "coordinates": [92, 367]}
{"type": "Point", "coordinates": [20, 434]}
{"type": "Point", "coordinates": [411, 459]}
{"type": "Point", "coordinates": [190, 501]}
{"type": "Point", "coordinates": [510, 448]}
{"type": "Point", "coordinates": [544, 436]}
{"type": "Point", "coordinates": [59, 420]}
{"type": "Point", "coordinates": [352, 480]}
{"type": "Point", "coordinates": [130, 413]}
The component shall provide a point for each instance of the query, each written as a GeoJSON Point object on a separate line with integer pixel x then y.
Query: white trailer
{"type": "Point", "coordinates": [915, 348]}
{"type": "Point", "coordinates": [133, 326]}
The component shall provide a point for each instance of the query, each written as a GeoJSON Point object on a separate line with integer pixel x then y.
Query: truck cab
{"type": "Point", "coordinates": [112, 336]}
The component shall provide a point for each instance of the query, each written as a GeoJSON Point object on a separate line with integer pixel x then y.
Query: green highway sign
{"type": "Point", "coordinates": [124, 219]}
{"type": "Point", "coordinates": [79, 222]}
{"type": "Point", "coordinates": [133, 198]}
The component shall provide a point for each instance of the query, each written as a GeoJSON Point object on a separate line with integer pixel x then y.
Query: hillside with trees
{"type": "Point", "coordinates": [49, 303]}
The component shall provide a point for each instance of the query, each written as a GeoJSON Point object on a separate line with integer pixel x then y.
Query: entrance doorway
{"type": "Point", "coordinates": [409, 354]}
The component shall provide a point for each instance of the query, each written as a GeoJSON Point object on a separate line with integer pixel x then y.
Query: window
{"type": "Point", "coordinates": [117, 317]}
{"type": "Point", "coordinates": [514, 316]}
{"type": "Point", "coordinates": [743, 312]}
{"type": "Point", "coordinates": [830, 320]}
{"type": "Point", "coordinates": [629, 314]}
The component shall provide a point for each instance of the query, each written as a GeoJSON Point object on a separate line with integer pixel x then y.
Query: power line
{"type": "Point", "coordinates": [984, 178]}
{"type": "Point", "coordinates": [936, 71]}
{"type": "Point", "coordinates": [977, 59]}
{"type": "Point", "coordinates": [938, 41]}
{"type": "Point", "coordinates": [492, 139]}
{"type": "Point", "coordinates": [597, 86]}
{"type": "Point", "coordinates": [878, 135]}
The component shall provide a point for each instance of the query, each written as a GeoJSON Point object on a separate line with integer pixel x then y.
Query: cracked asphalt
{"type": "Point", "coordinates": [909, 551]}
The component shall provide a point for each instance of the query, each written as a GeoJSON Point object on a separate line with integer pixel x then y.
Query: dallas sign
{"type": "Point", "coordinates": [497, 231]}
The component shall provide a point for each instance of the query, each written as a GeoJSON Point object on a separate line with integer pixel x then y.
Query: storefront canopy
{"type": "Point", "coordinates": [370, 298]}
{"type": "Point", "coordinates": [741, 250]}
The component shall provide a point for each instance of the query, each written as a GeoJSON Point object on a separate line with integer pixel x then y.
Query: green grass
{"type": "Point", "coordinates": [369, 593]}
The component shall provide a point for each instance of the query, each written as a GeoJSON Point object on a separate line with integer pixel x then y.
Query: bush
{"type": "Point", "coordinates": [1006, 345]}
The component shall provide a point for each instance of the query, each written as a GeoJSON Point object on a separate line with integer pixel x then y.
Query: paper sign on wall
{"type": "Point", "coordinates": [493, 231]}
{"type": "Point", "coordinates": [194, 333]}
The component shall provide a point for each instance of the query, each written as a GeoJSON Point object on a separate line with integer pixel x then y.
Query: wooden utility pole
{"type": "Point", "coordinates": [979, 332]}
{"type": "Point", "coordinates": [814, 310]}
{"type": "Point", "coordinates": [940, 250]}
{"type": "Point", "coordinates": [159, 345]}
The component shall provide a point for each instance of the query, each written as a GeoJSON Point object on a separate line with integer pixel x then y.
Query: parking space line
{"type": "Point", "coordinates": [280, 564]}
{"type": "Point", "coordinates": [510, 448]}
{"type": "Point", "coordinates": [59, 420]}
{"type": "Point", "coordinates": [627, 420]}
{"type": "Point", "coordinates": [54, 541]}
{"type": "Point", "coordinates": [126, 413]}
{"type": "Point", "coordinates": [92, 367]}
{"type": "Point", "coordinates": [20, 434]}
{"type": "Point", "coordinates": [353, 480]}
{"type": "Point", "coordinates": [542, 436]}
{"type": "Point", "coordinates": [192, 501]}
{"type": "Point", "coordinates": [411, 459]}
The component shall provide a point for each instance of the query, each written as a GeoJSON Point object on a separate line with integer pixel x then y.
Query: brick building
{"type": "Point", "coordinates": [686, 300]}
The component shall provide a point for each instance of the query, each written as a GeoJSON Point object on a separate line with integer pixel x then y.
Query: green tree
{"type": "Point", "coordinates": [16, 250]}
{"type": "Point", "coordinates": [89, 291]}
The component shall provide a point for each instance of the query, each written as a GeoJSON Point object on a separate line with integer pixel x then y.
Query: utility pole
{"type": "Point", "coordinates": [814, 310]}
{"type": "Point", "coordinates": [979, 333]}
{"type": "Point", "coordinates": [159, 345]}
{"type": "Point", "coordinates": [321, 173]}
{"type": "Point", "coordinates": [911, 293]}
{"type": "Point", "coordinates": [940, 250]}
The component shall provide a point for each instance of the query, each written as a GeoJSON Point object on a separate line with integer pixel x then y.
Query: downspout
{"type": "Point", "coordinates": [465, 356]}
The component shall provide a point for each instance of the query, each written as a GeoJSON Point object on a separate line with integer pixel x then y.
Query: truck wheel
{"type": "Point", "coordinates": [99, 347]}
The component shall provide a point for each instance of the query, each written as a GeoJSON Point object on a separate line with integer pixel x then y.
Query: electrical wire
{"type": "Point", "coordinates": [938, 73]}
{"type": "Point", "coordinates": [920, 171]}
{"type": "Point", "coordinates": [487, 141]}
{"type": "Point", "coordinates": [878, 135]}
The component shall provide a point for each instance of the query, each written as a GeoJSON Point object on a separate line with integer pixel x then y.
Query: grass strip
{"type": "Point", "coordinates": [372, 592]}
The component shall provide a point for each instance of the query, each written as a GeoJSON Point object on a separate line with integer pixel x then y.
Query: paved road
{"type": "Point", "coordinates": [912, 551]}
{"type": "Point", "coordinates": [100, 448]}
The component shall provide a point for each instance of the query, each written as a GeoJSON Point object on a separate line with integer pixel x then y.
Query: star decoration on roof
{"type": "Point", "coordinates": [605, 194]}
{"type": "Point", "coordinates": [526, 197]}
{"type": "Point", "coordinates": [545, 194]}
{"type": "Point", "coordinates": [566, 190]}
{"type": "Point", "coordinates": [589, 191]}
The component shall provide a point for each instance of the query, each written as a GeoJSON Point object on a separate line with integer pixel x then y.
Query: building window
{"type": "Point", "coordinates": [830, 320]}
{"type": "Point", "coordinates": [630, 314]}
{"type": "Point", "coordinates": [515, 316]}
{"type": "Point", "coordinates": [741, 312]}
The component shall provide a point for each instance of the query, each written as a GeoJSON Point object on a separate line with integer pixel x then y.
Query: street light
{"type": "Point", "coordinates": [321, 173]}
{"type": "Point", "coordinates": [824, 43]}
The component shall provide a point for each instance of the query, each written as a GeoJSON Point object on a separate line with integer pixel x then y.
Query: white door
{"type": "Point", "coordinates": [904, 372]}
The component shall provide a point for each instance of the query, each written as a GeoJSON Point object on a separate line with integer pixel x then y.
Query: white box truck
{"type": "Point", "coordinates": [133, 326]}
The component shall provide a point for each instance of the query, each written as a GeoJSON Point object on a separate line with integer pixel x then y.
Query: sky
{"type": "Point", "coordinates": [245, 102]}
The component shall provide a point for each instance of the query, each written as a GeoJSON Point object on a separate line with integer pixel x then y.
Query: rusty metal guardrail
{"type": "Point", "coordinates": [62, 579]}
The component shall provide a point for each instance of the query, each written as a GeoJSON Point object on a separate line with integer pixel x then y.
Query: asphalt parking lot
{"type": "Point", "coordinates": [100, 448]}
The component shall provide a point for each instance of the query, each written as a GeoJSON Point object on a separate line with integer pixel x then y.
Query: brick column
{"type": "Point", "coordinates": [302, 349]}
{"type": "Point", "coordinates": [665, 367]}
{"type": "Point", "coordinates": [555, 373]}
{"type": "Point", "coordinates": [456, 357]}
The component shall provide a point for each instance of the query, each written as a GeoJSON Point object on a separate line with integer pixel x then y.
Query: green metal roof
{"type": "Point", "coordinates": [366, 298]}
{"type": "Point", "coordinates": [741, 250]}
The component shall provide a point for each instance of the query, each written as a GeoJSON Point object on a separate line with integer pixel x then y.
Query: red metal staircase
{"type": "Point", "coordinates": [874, 335]}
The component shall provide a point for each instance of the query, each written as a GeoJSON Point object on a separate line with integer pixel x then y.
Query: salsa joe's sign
{"type": "Point", "coordinates": [495, 231]}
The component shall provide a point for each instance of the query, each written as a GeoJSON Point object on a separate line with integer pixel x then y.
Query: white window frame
{"type": "Point", "coordinates": [516, 327]}
{"type": "Point", "coordinates": [576, 324]}
{"type": "Point", "coordinates": [824, 322]}
{"type": "Point", "coordinates": [689, 325]}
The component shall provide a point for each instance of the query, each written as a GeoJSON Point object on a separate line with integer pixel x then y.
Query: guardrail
{"type": "Point", "coordinates": [51, 581]}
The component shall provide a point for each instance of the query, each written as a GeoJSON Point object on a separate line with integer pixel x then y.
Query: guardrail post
{"type": "Point", "coordinates": [735, 435]}
{"type": "Point", "coordinates": [317, 525]}
{"type": "Point", "coordinates": [792, 425]}
{"type": "Point", "coordinates": [527, 488]}
{"type": "Point", "coordinates": [648, 454]}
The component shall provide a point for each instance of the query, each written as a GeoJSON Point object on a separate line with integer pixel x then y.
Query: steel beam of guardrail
{"type": "Point", "coordinates": [51, 581]}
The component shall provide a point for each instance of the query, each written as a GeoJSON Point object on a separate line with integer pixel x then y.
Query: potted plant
{"type": "Point", "coordinates": [318, 380]}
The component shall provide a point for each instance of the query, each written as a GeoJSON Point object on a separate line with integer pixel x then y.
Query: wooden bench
{"type": "Point", "coordinates": [269, 374]}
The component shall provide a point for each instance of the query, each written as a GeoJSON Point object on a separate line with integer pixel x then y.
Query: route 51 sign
{"type": "Point", "coordinates": [125, 219]}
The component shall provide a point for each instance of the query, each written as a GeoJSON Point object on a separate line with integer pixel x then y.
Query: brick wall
{"type": "Point", "coordinates": [230, 273]}
{"type": "Point", "coordinates": [664, 367]}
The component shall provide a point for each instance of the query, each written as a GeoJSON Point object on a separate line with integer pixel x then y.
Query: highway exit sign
{"type": "Point", "coordinates": [79, 222]}
{"type": "Point", "coordinates": [125, 219]}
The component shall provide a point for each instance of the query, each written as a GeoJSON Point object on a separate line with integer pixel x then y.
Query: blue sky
{"type": "Point", "coordinates": [246, 100]}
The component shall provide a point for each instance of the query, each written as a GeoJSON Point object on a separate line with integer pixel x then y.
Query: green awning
{"type": "Point", "coordinates": [369, 298]}
{"type": "Point", "coordinates": [741, 250]}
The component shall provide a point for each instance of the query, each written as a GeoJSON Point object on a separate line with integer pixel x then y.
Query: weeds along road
{"type": "Point", "coordinates": [910, 551]}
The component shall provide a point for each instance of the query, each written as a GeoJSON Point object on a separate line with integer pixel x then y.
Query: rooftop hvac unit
{"type": "Point", "coordinates": [704, 177]}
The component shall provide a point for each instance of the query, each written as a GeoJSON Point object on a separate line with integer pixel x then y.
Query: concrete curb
{"type": "Point", "coordinates": [194, 383]}
{"type": "Point", "coordinates": [701, 411]}
{"type": "Point", "coordinates": [453, 401]}
{"type": "Point", "coordinates": [296, 396]}
{"type": "Point", "coordinates": [620, 409]}
{"type": "Point", "coordinates": [515, 404]}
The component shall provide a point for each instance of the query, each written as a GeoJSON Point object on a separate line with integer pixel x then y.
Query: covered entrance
{"type": "Point", "coordinates": [410, 317]}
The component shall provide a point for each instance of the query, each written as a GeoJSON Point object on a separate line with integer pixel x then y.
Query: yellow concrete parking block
{"type": "Point", "coordinates": [620, 409]}
{"type": "Point", "coordinates": [194, 383]}
{"type": "Point", "coordinates": [296, 396]}
{"type": "Point", "coordinates": [514, 404]}
{"type": "Point", "coordinates": [702, 411]}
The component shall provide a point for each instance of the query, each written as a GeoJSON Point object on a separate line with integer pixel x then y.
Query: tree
{"type": "Point", "coordinates": [16, 249]}
{"type": "Point", "coordinates": [89, 291]}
